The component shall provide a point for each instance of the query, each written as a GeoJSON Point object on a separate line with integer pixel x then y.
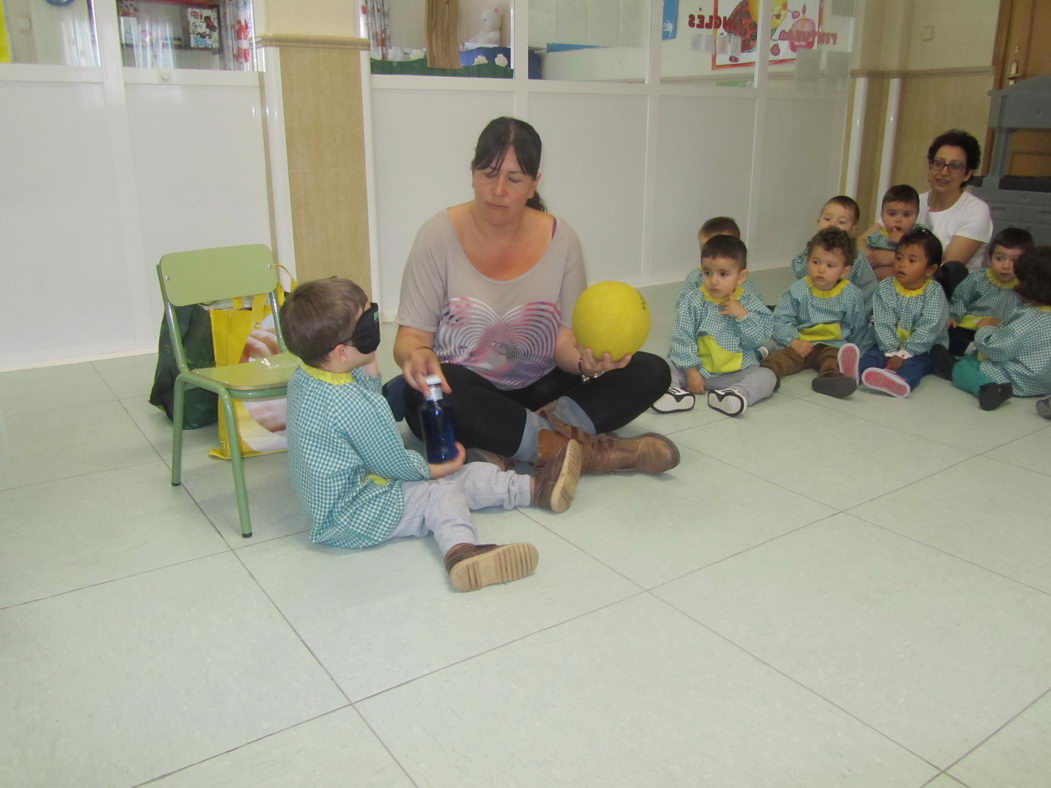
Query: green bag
{"type": "Point", "coordinates": [201, 406]}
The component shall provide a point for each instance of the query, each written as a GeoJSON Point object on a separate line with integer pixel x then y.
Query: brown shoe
{"type": "Point", "coordinates": [558, 467]}
{"type": "Point", "coordinates": [648, 453]}
{"type": "Point", "coordinates": [473, 566]}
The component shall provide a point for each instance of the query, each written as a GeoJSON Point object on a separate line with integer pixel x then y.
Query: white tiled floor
{"type": "Point", "coordinates": [824, 593]}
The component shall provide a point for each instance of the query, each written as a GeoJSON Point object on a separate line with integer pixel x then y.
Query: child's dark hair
{"type": "Point", "coordinates": [726, 246]}
{"type": "Point", "coordinates": [319, 315]}
{"type": "Point", "coordinates": [1033, 270]}
{"type": "Point", "coordinates": [846, 202]}
{"type": "Point", "coordinates": [720, 225]}
{"type": "Point", "coordinates": [958, 138]}
{"type": "Point", "coordinates": [932, 247]}
{"type": "Point", "coordinates": [902, 193]}
{"type": "Point", "coordinates": [1012, 238]}
{"type": "Point", "coordinates": [832, 239]}
{"type": "Point", "coordinates": [501, 134]}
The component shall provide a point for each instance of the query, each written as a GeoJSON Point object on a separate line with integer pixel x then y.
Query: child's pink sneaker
{"type": "Point", "coordinates": [848, 358]}
{"type": "Point", "coordinates": [886, 381]}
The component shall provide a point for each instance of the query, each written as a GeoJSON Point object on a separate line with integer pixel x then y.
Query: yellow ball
{"type": "Point", "coordinates": [611, 317]}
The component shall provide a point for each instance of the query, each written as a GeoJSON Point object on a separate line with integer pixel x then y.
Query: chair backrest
{"type": "Point", "coordinates": [203, 275]}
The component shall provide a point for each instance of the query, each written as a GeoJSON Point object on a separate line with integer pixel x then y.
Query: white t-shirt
{"type": "Point", "coordinates": [969, 217]}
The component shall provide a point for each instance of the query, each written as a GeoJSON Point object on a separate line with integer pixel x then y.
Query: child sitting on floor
{"type": "Point", "coordinates": [909, 316]}
{"type": "Point", "coordinates": [842, 213]}
{"type": "Point", "coordinates": [820, 313]}
{"type": "Point", "coordinates": [987, 292]}
{"type": "Point", "coordinates": [718, 328]}
{"type": "Point", "coordinates": [899, 210]}
{"type": "Point", "coordinates": [1013, 357]}
{"type": "Point", "coordinates": [356, 480]}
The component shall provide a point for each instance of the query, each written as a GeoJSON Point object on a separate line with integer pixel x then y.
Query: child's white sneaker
{"type": "Point", "coordinates": [728, 401]}
{"type": "Point", "coordinates": [886, 381]}
{"type": "Point", "coordinates": [674, 400]}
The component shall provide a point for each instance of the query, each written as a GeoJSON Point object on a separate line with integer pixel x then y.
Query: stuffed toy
{"type": "Point", "coordinates": [489, 35]}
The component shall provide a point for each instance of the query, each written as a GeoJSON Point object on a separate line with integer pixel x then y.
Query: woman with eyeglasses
{"type": "Point", "coordinates": [960, 220]}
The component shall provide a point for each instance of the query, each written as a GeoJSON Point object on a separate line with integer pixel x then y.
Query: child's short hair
{"type": "Point", "coordinates": [726, 246]}
{"type": "Point", "coordinates": [719, 225]}
{"type": "Point", "coordinates": [319, 315]}
{"type": "Point", "coordinates": [832, 239]}
{"type": "Point", "coordinates": [920, 236]}
{"type": "Point", "coordinates": [1012, 238]}
{"type": "Point", "coordinates": [1033, 270]}
{"type": "Point", "coordinates": [902, 193]}
{"type": "Point", "coordinates": [846, 202]}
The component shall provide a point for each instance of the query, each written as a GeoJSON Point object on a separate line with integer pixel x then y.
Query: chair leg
{"type": "Point", "coordinates": [178, 406]}
{"type": "Point", "coordinates": [237, 464]}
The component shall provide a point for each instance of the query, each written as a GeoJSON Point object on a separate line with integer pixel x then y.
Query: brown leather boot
{"type": "Point", "coordinates": [558, 467]}
{"type": "Point", "coordinates": [474, 566]}
{"type": "Point", "coordinates": [648, 453]}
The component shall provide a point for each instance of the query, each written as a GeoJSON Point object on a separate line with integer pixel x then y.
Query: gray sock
{"type": "Point", "coordinates": [526, 451]}
{"type": "Point", "coordinates": [571, 413]}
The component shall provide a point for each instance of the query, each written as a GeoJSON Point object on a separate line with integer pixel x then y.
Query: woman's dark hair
{"type": "Point", "coordinates": [501, 134]}
{"type": "Point", "coordinates": [932, 247]}
{"type": "Point", "coordinates": [1033, 270]}
{"type": "Point", "coordinates": [318, 315]}
{"type": "Point", "coordinates": [958, 139]}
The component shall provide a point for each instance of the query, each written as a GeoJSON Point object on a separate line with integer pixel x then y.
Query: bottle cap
{"type": "Point", "coordinates": [432, 380]}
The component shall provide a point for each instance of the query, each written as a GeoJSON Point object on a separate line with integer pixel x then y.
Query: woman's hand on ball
{"type": "Point", "coordinates": [593, 367]}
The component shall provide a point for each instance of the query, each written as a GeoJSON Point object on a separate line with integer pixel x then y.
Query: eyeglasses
{"type": "Point", "coordinates": [955, 167]}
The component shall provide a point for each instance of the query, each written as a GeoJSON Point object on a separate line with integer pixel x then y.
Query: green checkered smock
{"type": "Point", "coordinates": [1018, 351]}
{"type": "Point", "coordinates": [831, 317]}
{"type": "Point", "coordinates": [980, 295]}
{"type": "Point", "coordinates": [727, 344]}
{"type": "Point", "coordinates": [910, 320]}
{"type": "Point", "coordinates": [346, 457]}
{"type": "Point", "coordinates": [861, 274]}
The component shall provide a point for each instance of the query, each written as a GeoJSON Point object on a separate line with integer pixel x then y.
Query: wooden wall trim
{"type": "Point", "coordinates": [311, 41]}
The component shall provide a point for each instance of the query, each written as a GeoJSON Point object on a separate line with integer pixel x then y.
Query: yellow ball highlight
{"type": "Point", "coordinates": [611, 317]}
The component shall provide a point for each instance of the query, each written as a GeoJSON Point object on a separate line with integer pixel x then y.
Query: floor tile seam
{"type": "Point", "coordinates": [869, 420]}
{"type": "Point", "coordinates": [1004, 725]}
{"type": "Point", "coordinates": [1008, 463]}
{"type": "Point", "coordinates": [243, 544]}
{"type": "Point", "coordinates": [945, 773]}
{"type": "Point", "coordinates": [954, 556]}
{"type": "Point", "coordinates": [248, 743]}
{"type": "Point", "coordinates": [497, 647]}
{"type": "Point", "coordinates": [777, 483]}
{"type": "Point", "coordinates": [526, 513]}
{"type": "Point", "coordinates": [906, 485]}
{"type": "Point", "coordinates": [292, 627]}
{"type": "Point", "coordinates": [77, 475]}
{"type": "Point", "coordinates": [146, 437]}
{"type": "Point", "coordinates": [384, 744]}
{"type": "Point", "coordinates": [226, 549]}
{"type": "Point", "coordinates": [743, 551]}
{"type": "Point", "coordinates": [808, 689]}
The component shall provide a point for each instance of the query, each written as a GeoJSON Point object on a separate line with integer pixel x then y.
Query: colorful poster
{"type": "Point", "coordinates": [734, 24]}
{"type": "Point", "coordinates": [203, 25]}
{"type": "Point", "coordinates": [670, 25]}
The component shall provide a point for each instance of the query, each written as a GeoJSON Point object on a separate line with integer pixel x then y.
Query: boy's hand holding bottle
{"type": "Point", "coordinates": [440, 469]}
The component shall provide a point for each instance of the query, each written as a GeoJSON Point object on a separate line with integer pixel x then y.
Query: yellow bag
{"type": "Point", "coordinates": [239, 334]}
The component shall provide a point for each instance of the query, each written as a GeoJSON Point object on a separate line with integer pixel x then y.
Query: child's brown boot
{"type": "Point", "coordinates": [649, 453]}
{"type": "Point", "coordinates": [473, 566]}
{"type": "Point", "coordinates": [558, 462]}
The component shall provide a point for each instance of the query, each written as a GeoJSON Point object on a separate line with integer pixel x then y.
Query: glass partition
{"type": "Point", "coordinates": [59, 32]}
{"type": "Point", "coordinates": [199, 34]}
{"type": "Point", "coordinates": [811, 44]}
{"type": "Point", "coordinates": [713, 41]}
{"type": "Point", "coordinates": [582, 40]}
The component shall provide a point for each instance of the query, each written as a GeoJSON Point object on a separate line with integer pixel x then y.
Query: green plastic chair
{"type": "Point", "coordinates": [201, 277]}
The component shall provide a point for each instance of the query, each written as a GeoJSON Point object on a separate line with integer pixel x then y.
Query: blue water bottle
{"type": "Point", "coordinates": [436, 422]}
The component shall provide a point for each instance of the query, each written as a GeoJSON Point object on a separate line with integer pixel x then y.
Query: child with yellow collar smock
{"type": "Point", "coordinates": [909, 316]}
{"type": "Point", "coordinates": [987, 292]}
{"type": "Point", "coordinates": [1013, 358]}
{"type": "Point", "coordinates": [819, 314]}
{"type": "Point", "coordinates": [718, 328]}
{"type": "Point", "coordinates": [358, 483]}
{"type": "Point", "coordinates": [842, 213]}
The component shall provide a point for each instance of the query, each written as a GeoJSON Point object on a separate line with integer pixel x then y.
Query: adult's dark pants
{"type": "Point", "coordinates": [490, 418]}
{"type": "Point", "coordinates": [949, 275]}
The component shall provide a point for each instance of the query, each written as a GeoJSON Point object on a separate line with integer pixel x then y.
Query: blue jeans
{"type": "Point", "coordinates": [912, 371]}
